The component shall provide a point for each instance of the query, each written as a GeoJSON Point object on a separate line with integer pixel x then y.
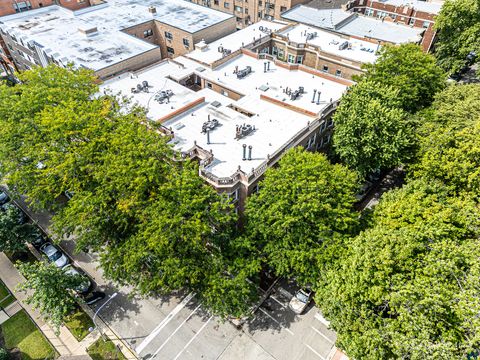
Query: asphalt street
{"type": "Point", "coordinates": [177, 327]}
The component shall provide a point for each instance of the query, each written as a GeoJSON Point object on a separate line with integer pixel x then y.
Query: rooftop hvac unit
{"type": "Point", "coordinates": [244, 72]}
{"type": "Point", "coordinates": [220, 49]}
{"type": "Point", "coordinates": [343, 45]}
{"type": "Point", "coordinates": [209, 125]}
{"type": "Point", "coordinates": [163, 96]}
{"type": "Point", "coordinates": [243, 130]}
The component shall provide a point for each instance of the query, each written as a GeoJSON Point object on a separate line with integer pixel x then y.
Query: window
{"type": "Point", "coordinates": [209, 85]}
{"type": "Point", "coordinates": [224, 93]}
{"type": "Point", "coordinates": [147, 33]}
{"type": "Point", "coordinates": [338, 73]}
{"type": "Point", "coordinates": [238, 9]}
{"type": "Point", "coordinates": [226, 5]}
{"type": "Point", "coordinates": [274, 50]}
{"type": "Point", "coordinates": [170, 50]}
{"type": "Point", "coordinates": [216, 2]}
{"type": "Point", "coordinates": [299, 59]}
{"type": "Point", "coordinates": [291, 58]}
{"type": "Point", "coordinates": [283, 8]}
{"type": "Point", "coordinates": [233, 196]}
{"type": "Point", "coordinates": [239, 19]}
{"type": "Point", "coordinates": [411, 22]}
{"type": "Point", "coordinates": [186, 43]}
{"type": "Point", "coordinates": [20, 6]}
{"type": "Point", "coordinates": [426, 24]}
{"type": "Point", "coordinates": [381, 14]}
{"type": "Point", "coordinates": [259, 14]}
{"type": "Point", "coordinates": [271, 6]}
{"type": "Point", "coordinates": [325, 68]}
{"type": "Point", "coordinates": [369, 12]}
{"type": "Point", "coordinates": [246, 11]}
{"type": "Point", "coordinates": [260, 3]}
{"type": "Point", "coordinates": [168, 35]}
{"type": "Point", "coordinates": [10, 47]}
{"type": "Point", "coordinates": [330, 123]}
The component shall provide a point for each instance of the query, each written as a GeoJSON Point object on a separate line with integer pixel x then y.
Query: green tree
{"type": "Point", "coordinates": [450, 139]}
{"type": "Point", "coordinates": [302, 212]}
{"type": "Point", "coordinates": [405, 286]}
{"type": "Point", "coordinates": [409, 70]}
{"type": "Point", "coordinates": [49, 290]}
{"type": "Point", "coordinates": [371, 131]}
{"type": "Point", "coordinates": [13, 234]}
{"type": "Point", "coordinates": [458, 26]}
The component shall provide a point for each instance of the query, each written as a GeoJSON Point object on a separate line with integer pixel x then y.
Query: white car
{"type": "Point", "coordinates": [55, 255]}
{"type": "Point", "coordinates": [300, 301]}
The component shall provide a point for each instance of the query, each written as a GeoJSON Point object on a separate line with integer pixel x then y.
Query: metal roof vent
{"type": "Point", "coordinates": [202, 46]}
{"type": "Point", "coordinates": [263, 88]}
{"type": "Point", "coordinates": [88, 31]}
{"type": "Point", "coordinates": [216, 104]}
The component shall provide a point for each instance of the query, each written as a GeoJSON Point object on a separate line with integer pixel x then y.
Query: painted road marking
{"type": "Point", "coordinates": [320, 318]}
{"type": "Point", "coordinates": [193, 338]}
{"type": "Point", "coordinates": [321, 334]}
{"type": "Point", "coordinates": [313, 350]}
{"type": "Point", "coordinates": [271, 317]}
{"type": "Point", "coordinates": [278, 301]}
{"type": "Point", "coordinates": [173, 333]}
{"type": "Point", "coordinates": [164, 323]}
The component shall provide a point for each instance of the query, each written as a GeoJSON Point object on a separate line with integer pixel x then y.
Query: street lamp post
{"type": "Point", "coordinates": [95, 315]}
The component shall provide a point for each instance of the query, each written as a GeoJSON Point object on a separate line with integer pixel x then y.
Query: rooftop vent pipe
{"type": "Point", "coordinates": [250, 152]}
{"type": "Point", "coordinates": [244, 152]}
{"type": "Point", "coordinates": [152, 10]}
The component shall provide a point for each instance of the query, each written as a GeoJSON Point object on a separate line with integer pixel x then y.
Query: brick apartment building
{"type": "Point", "coordinates": [8, 7]}
{"type": "Point", "coordinates": [110, 38]}
{"type": "Point", "coordinates": [249, 12]}
{"type": "Point", "coordinates": [414, 13]}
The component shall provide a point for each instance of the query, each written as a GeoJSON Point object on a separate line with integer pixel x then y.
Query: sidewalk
{"type": "Point", "coordinates": [65, 343]}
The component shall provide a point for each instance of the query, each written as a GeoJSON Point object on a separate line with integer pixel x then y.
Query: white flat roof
{"type": "Point", "coordinates": [57, 29]}
{"type": "Point", "coordinates": [353, 24]}
{"type": "Point", "coordinates": [396, 33]}
{"type": "Point", "coordinates": [275, 124]}
{"type": "Point", "coordinates": [424, 6]}
{"type": "Point", "coordinates": [235, 41]}
{"type": "Point", "coordinates": [362, 51]}
{"type": "Point", "coordinates": [324, 18]}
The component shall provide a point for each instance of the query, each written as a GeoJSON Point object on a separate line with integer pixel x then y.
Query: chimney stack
{"type": "Point", "coordinates": [244, 152]}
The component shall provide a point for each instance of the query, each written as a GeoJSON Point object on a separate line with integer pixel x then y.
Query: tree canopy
{"type": "Point", "coordinates": [303, 210]}
{"type": "Point", "coordinates": [156, 225]}
{"type": "Point", "coordinates": [48, 288]}
{"type": "Point", "coordinates": [13, 233]}
{"type": "Point", "coordinates": [409, 70]}
{"type": "Point", "coordinates": [458, 25]}
{"type": "Point", "coordinates": [405, 288]}
{"type": "Point", "coordinates": [372, 132]}
{"type": "Point", "coordinates": [450, 141]}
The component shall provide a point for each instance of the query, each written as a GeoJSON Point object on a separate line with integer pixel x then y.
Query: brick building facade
{"type": "Point", "coordinates": [248, 12]}
{"type": "Point", "coordinates": [8, 7]}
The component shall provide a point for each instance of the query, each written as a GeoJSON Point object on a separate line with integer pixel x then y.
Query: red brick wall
{"type": "Point", "coordinates": [6, 6]}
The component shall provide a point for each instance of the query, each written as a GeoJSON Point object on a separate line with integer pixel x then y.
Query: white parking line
{"type": "Point", "coordinates": [163, 323]}
{"type": "Point", "coordinates": [320, 318]}
{"type": "Point", "coordinates": [320, 333]}
{"type": "Point", "coordinates": [278, 301]}
{"type": "Point", "coordinates": [313, 350]}
{"type": "Point", "coordinates": [173, 333]}
{"type": "Point", "coordinates": [271, 317]}
{"type": "Point", "coordinates": [193, 338]}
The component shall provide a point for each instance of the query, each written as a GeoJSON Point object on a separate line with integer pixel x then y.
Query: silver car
{"type": "Point", "coordinates": [54, 255]}
{"type": "Point", "coordinates": [84, 287]}
{"type": "Point", "coordinates": [300, 301]}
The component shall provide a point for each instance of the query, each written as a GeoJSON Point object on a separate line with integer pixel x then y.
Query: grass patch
{"type": "Point", "coordinates": [104, 350]}
{"type": "Point", "coordinates": [78, 324]}
{"type": "Point", "coordinates": [20, 332]}
{"type": "Point", "coordinates": [6, 298]}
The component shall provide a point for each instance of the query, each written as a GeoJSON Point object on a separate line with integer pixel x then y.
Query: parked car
{"type": "Point", "coordinates": [4, 198]}
{"type": "Point", "coordinates": [38, 240]}
{"type": "Point", "coordinates": [86, 284]}
{"type": "Point", "coordinates": [300, 301]}
{"type": "Point", "coordinates": [54, 254]}
{"type": "Point", "coordinates": [94, 297]}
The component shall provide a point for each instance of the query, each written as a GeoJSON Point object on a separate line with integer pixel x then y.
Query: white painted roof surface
{"type": "Point", "coordinates": [324, 18]}
{"type": "Point", "coordinates": [275, 125]}
{"type": "Point", "coordinates": [356, 25]}
{"type": "Point", "coordinates": [56, 28]}
{"type": "Point", "coordinates": [156, 76]}
{"type": "Point", "coordinates": [235, 41]}
{"type": "Point", "coordinates": [424, 6]}
{"type": "Point", "coordinates": [382, 30]}
{"type": "Point", "coordinates": [362, 51]}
